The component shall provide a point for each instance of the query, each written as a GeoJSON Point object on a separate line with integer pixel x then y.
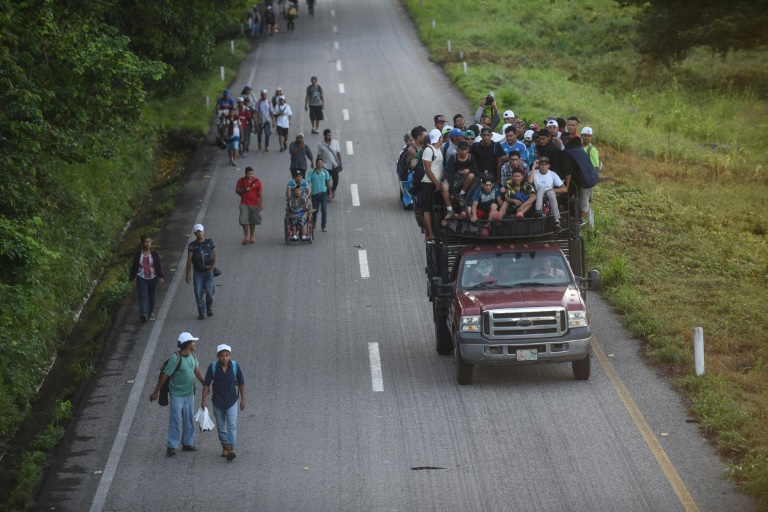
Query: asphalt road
{"type": "Point", "coordinates": [323, 429]}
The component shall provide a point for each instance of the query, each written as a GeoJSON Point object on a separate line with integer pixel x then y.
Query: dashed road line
{"type": "Point", "coordinates": [377, 381]}
{"type": "Point", "coordinates": [341, 88]}
{"type": "Point", "coordinates": [355, 195]}
{"type": "Point", "coordinates": [335, 45]}
{"type": "Point", "coordinates": [350, 149]}
{"type": "Point", "coordinates": [338, 65]}
{"type": "Point", "coordinates": [345, 114]}
{"type": "Point", "coordinates": [335, 30]}
{"type": "Point", "coordinates": [362, 256]}
{"type": "Point", "coordinates": [333, 13]}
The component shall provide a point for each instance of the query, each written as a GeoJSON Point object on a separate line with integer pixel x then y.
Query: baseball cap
{"type": "Point", "coordinates": [486, 179]}
{"type": "Point", "coordinates": [509, 113]}
{"type": "Point", "coordinates": [446, 129]}
{"type": "Point", "coordinates": [240, 98]}
{"type": "Point", "coordinates": [586, 130]}
{"type": "Point", "coordinates": [223, 347]}
{"type": "Point", "coordinates": [544, 159]}
{"type": "Point", "coordinates": [528, 135]}
{"type": "Point", "coordinates": [434, 136]}
{"type": "Point", "coordinates": [226, 92]}
{"type": "Point", "coordinates": [198, 227]}
{"type": "Point", "coordinates": [247, 88]}
{"type": "Point", "coordinates": [407, 136]}
{"type": "Point", "coordinates": [440, 118]}
{"type": "Point", "coordinates": [185, 337]}
{"type": "Point", "coordinates": [456, 133]}
{"type": "Point", "coordinates": [551, 122]}
{"type": "Point", "coordinates": [297, 172]}
{"type": "Point", "coordinates": [470, 133]}
{"type": "Point", "coordinates": [264, 91]}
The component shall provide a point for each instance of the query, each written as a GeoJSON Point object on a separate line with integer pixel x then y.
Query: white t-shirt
{"type": "Point", "coordinates": [549, 181]}
{"type": "Point", "coordinates": [282, 120]}
{"type": "Point", "coordinates": [437, 164]}
{"type": "Point", "coordinates": [327, 151]}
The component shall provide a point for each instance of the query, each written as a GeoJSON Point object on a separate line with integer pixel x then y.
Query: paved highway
{"type": "Point", "coordinates": [347, 398]}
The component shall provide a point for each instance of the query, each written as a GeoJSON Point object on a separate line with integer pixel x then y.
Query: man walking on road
{"type": "Point", "coordinates": [181, 370]}
{"type": "Point", "coordinates": [315, 103]}
{"type": "Point", "coordinates": [330, 151]}
{"type": "Point", "coordinates": [201, 257]}
{"type": "Point", "coordinates": [319, 181]}
{"type": "Point", "coordinates": [300, 153]}
{"type": "Point", "coordinates": [228, 382]}
{"type": "Point", "coordinates": [249, 190]}
{"type": "Point", "coordinates": [265, 119]}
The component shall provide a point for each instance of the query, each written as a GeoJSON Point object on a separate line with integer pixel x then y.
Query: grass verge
{"type": "Point", "coordinates": [680, 234]}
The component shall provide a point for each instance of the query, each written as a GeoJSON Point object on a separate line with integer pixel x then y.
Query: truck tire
{"type": "Point", "coordinates": [463, 370]}
{"type": "Point", "coordinates": [581, 369]}
{"type": "Point", "coordinates": [443, 340]}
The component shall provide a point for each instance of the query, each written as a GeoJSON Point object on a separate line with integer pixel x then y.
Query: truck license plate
{"type": "Point", "coordinates": [528, 354]}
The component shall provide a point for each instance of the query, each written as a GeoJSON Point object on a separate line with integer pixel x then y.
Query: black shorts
{"type": "Point", "coordinates": [315, 113]}
{"type": "Point", "coordinates": [427, 196]}
{"type": "Point", "coordinates": [282, 131]}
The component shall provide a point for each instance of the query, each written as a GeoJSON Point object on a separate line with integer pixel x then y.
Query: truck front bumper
{"type": "Point", "coordinates": [475, 349]}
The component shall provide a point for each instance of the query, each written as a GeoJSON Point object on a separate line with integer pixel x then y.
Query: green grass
{"type": "Point", "coordinates": [681, 219]}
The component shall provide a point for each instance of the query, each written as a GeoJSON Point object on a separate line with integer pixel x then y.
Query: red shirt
{"type": "Point", "coordinates": [249, 197]}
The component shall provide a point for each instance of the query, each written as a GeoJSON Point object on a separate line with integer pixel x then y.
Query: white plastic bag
{"type": "Point", "coordinates": [205, 421]}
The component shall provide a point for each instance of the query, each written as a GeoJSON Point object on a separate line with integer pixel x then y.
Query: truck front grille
{"type": "Point", "coordinates": [528, 323]}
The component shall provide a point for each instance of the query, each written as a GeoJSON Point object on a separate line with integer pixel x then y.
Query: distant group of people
{"type": "Point", "coordinates": [263, 18]}
{"type": "Point", "coordinates": [485, 175]}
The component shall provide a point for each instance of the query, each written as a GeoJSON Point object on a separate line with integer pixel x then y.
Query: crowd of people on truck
{"type": "Point", "coordinates": [483, 176]}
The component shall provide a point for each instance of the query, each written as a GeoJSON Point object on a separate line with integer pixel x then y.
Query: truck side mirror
{"type": "Point", "coordinates": [440, 288]}
{"type": "Point", "coordinates": [593, 278]}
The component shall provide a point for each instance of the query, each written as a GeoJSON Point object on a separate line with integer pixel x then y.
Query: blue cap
{"type": "Point", "coordinates": [226, 92]}
{"type": "Point", "coordinates": [456, 132]}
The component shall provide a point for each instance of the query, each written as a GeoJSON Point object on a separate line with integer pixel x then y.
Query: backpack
{"type": "Point", "coordinates": [162, 397]}
{"type": "Point", "coordinates": [233, 364]}
{"type": "Point", "coordinates": [402, 163]}
{"type": "Point", "coordinates": [292, 11]}
{"type": "Point", "coordinates": [202, 257]}
{"type": "Point", "coordinates": [419, 171]}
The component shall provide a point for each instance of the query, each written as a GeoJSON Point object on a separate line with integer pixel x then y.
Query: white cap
{"type": "Point", "coordinates": [551, 122]}
{"type": "Point", "coordinates": [198, 227]}
{"type": "Point", "coordinates": [264, 91]}
{"type": "Point", "coordinates": [435, 136]}
{"type": "Point", "coordinates": [240, 98]}
{"type": "Point", "coordinates": [223, 347]}
{"type": "Point", "coordinates": [509, 113]}
{"type": "Point", "coordinates": [586, 130]}
{"type": "Point", "coordinates": [281, 97]}
{"type": "Point", "coordinates": [528, 135]}
{"type": "Point", "coordinates": [185, 337]}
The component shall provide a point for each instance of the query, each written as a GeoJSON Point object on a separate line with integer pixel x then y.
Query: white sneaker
{"type": "Point", "coordinates": [305, 238]}
{"type": "Point", "coordinates": [295, 237]}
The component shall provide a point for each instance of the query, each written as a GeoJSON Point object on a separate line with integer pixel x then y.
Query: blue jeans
{"type": "Point", "coordinates": [267, 129]}
{"type": "Point", "coordinates": [320, 200]}
{"type": "Point", "coordinates": [204, 289]}
{"type": "Point", "coordinates": [147, 293]}
{"type": "Point", "coordinates": [226, 424]}
{"type": "Point", "coordinates": [181, 424]}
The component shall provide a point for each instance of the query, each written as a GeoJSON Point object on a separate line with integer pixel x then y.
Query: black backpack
{"type": "Point", "coordinates": [162, 397]}
{"type": "Point", "coordinates": [202, 256]}
{"type": "Point", "coordinates": [419, 171]}
{"type": "Point", "coordinates": [402, 163]}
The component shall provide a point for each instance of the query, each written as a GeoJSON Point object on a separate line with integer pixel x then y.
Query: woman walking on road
{"type": "Point", "coordinates": [147, 270]}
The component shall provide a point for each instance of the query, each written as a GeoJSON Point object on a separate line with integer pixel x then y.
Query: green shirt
{"type": "Point", "coordinates": [183, 381]}
{"type": "Point", "coordinates": [593, 156]}
{"type": "Point", "coordinates": [317, 181]}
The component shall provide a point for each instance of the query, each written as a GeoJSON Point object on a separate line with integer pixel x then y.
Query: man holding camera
{"type": "Point", "coordinates": [484, 120]}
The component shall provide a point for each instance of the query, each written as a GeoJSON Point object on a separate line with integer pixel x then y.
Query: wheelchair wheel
{"type": "Point", "coordinates": [286, 229]}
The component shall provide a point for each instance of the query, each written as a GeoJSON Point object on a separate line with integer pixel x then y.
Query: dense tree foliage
{"type": "Point", "coordinates": [669, 29]}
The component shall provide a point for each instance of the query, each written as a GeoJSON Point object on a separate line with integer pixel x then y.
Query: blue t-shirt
{"type": "Point", "coordinates": [484, 201]}
{"type": "Point", "coordinates": [225, 385]}
{"type": "Point", "coordinates": [518, 146]}
{"type": "Point", "coordinates": [304, 186]}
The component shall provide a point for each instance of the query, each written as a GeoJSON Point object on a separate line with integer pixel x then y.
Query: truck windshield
{"type": "Point", "coordinates": [511, 270]}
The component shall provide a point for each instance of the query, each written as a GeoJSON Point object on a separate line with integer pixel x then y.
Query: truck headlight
{"type": "Point", "coordinates": [470, 323]}
{"type": "Point", "coordinates": [578, 319]}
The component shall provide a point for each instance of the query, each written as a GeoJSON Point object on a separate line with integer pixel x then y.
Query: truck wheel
{"type": "Point", "coordinates": [463, 370]}
{"type": "Point", "coordinates": [581, 369]}
{"type": "Point", "coordinates": [443, 341]}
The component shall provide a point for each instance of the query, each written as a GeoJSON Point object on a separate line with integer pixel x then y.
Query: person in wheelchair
{"type": "Point", "coordinates": [298, 181]}
{"type": "Point", "coordinates": [298, 214]}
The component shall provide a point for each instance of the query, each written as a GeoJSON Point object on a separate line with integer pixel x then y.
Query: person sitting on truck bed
{"type": "Point", "coordinates": [545, 182]}
{"type": "Point", "coordinates": [520, 196]}
{"type": "Point", "coordinates": [548, 268]}
{"type": "Point", "coordinates": [486, 201]}
{"type": "Point", "coordinates": [460, 172]}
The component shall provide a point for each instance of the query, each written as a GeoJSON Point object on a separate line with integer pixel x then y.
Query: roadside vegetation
{"type": "Point", "coordinates": [102, 103]}
{"type": "Point", "coordinates": [682, 211]}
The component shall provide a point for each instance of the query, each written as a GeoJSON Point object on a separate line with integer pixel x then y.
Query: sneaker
{"type": "Point", "coordinates": [582, 222]}
{"type": "Point", "coordinates": [428, 238]}
{"type": "Point", "coordinates": [519, 215]}
{"type": "Point", "coordinates": [266, 149]}
{"type": "Point", "coordinates": [537, 214]}
{"type": "Point", "coordinates": [245, 241]}
{"type": "Point", "coordinates": [151, 316]}
{"type": "Point", "coordinates": [170, 451]}
{"type": "Point", "coordinates": [209, 312]}
{"type": "Point", "coordinates": [557, 227]}
{"type": "Point", "coordinates": [281, 150]}
{"type": "Point", "coordinates": [189, 448]}
{"type": "Point", "coordinates": [324, 230]}
{"type": "Point", "coordinates": [143, 317]}
{"type": "Point", "coordinates": [294, 237]}
{"type": "Point", "coordinates": [305, 238]}
{"type": "Point", "coordinates": [201, 316]}
{"type": "Point", "coordinates": [448, 216]}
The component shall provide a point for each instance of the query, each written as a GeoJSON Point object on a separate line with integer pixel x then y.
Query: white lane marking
{"type": "Point", "coordinates": [335, 30]}
{"type": "Point", "coordinates": [253, 71]}
{"type": "Point", "coordinates": [338, 65]}
{"type": "Point", "coordinates": [335, 45]}
{"type": "Point", "coordinates": [345, 114]}
{"type": "Point", "coordinates": [355, 195]}
{"type": "Point", "coordinates": [362, 256]}
{"type": "Point", "coordinates": [350, 150]}
{"type": "Point", "coordinates": [341, 88]}
{"type": "Point", "coordinates": [333, 13]}
{"type": "Point", "coordinates": [116, 452]}
{"type": "Point", "coordinates": [377, 381]}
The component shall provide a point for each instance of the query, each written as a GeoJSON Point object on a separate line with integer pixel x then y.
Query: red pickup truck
{"type": "Point", "coordinates": [513, 297]}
